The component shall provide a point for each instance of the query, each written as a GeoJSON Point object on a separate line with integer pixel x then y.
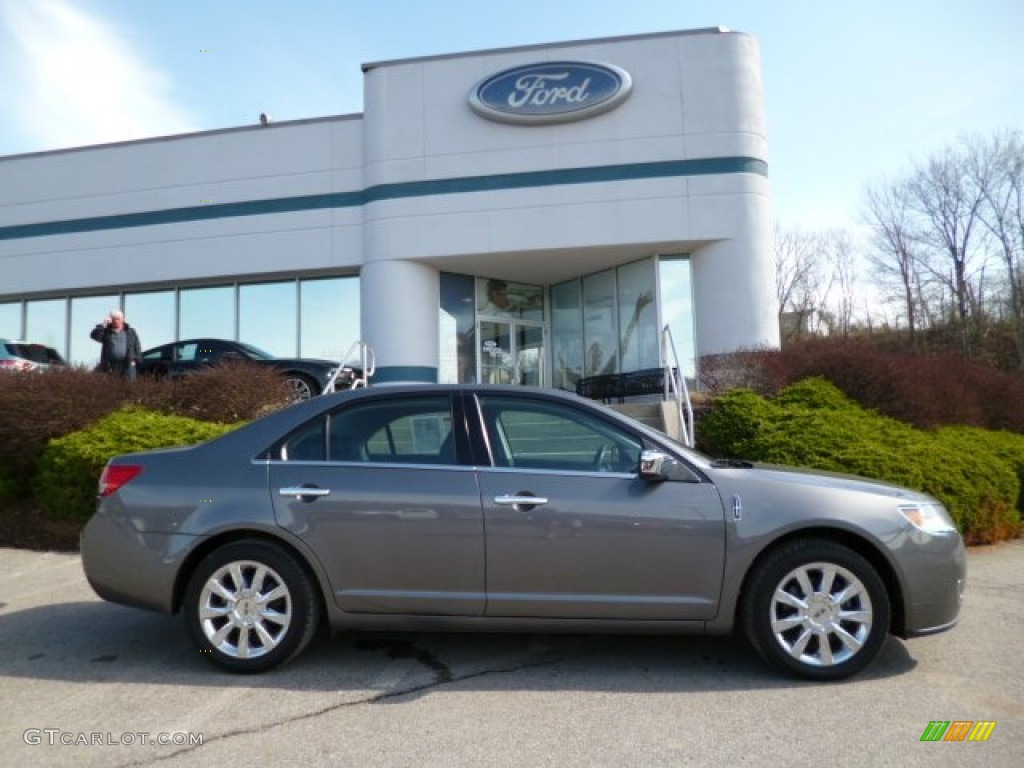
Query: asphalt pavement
{"type": "Point", "coordinates": [87, 683]}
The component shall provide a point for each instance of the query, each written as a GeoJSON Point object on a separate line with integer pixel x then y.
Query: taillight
{"type": "Point", "coordinates": [116, 475]}
{"type": "Point", "coordinates": [10, 364]}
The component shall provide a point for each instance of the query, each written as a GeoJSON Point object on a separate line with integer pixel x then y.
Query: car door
{"type": "Point", "coordinates": [187, 358]}
{"type": "Point", "coordinates": [377, 490]}
{"type": "Point", "coordinates": [599, 542]}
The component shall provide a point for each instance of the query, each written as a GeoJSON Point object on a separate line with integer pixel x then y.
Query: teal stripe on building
{"type": "Point", "coordinates": [532, 179]}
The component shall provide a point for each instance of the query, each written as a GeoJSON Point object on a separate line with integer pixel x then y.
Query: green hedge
{"type": "Point", "coordinates": [977, 474]}
{"type": "Point", "coordinates": [66, 479]}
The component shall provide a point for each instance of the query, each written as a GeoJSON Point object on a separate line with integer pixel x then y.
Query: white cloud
{"type": "Point", "coordinates": [73, 79]}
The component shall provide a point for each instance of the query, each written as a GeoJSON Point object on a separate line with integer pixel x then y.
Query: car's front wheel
{"type": "Point", "coordinates": [250, 606]}
{"type": "Point", "coordinates": [302, 387]}
{"type": "Point", "coordinates": [817, 609]}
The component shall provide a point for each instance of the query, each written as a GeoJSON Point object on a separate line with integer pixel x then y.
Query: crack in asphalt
{"type": "Point", "coordinates": [439, 681]}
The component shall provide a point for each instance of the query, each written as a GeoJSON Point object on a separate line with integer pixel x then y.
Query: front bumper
{"type": "Point", "coordinates": [935, 569]}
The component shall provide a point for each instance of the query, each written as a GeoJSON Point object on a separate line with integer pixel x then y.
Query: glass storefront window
{"type": "Point", "coordinates": [567, 334]}
{"type": "Point", "coordinates": [207, 313]}
{"type": "Point", "coordinates": [638, 316]}
{"type": "Point", "coordinates": [329, 317]}
{"type": "Point", "coordinates": [676, 282]}
{"type": "Point", "coordinates": [10, 320]}
{"type": "Point", "coordinates": [152, 315]}
{"type": "Point", "coordinates": [268, 317]}
{"type": "Point", "coordinates": [46, 323]}
{"type": "Point", "coordinates": [600, 324]}
{"type": "Point", "coordinates": [86, 313]}
{"type": "Point", "coordinates": [498, 298]}
{"type": "Point", "coordinates": [457, 363]}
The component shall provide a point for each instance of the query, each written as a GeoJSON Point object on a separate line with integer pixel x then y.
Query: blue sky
{"type": "Point", "coordinates": [854, 90]}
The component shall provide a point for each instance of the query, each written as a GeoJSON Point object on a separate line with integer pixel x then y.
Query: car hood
{"type": "Point", "coordinates": [818, 479]}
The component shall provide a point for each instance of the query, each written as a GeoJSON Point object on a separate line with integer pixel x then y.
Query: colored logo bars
{"type": "Point", "coordinates": [958, 730]}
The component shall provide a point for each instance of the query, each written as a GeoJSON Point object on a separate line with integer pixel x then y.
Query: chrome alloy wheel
{"type": "Point", "coordinates": [245, 609]}
{"type": "Point", "coordinates": [301, 389]}
{"type": "Point", "coordinates": [821, 614]}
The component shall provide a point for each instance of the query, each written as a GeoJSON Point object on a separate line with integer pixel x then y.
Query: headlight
{"type": "Point", "coordinates": [930, 517]}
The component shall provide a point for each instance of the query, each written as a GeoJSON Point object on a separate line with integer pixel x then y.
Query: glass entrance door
{"type": "Point", "coordinates": [511, 353]}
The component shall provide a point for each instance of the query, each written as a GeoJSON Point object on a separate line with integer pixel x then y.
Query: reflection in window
{"type": "Point", "coordinates": [677, 308]}
{"type": "Point", "coordinates": [10, 320]}
{"type": "Point", "coordinates": [497, 363]}
{"type": "Point", "coordinates": [46, 323]}
{"type": "Point", "coordinates": [268, 317]}
{"type": "Point", "coordinates": [151, 314]}
{"type": "Point", "coordinates": [457, 362]}
{"type": "Point", "coordinates": [600, 324]}
{"type": "Point", "coordinates": [612, 328]}
{"type": "Point", "coordinates": [208, 312]}
{"type": "Point", "coordinates": [638, 317]}
{"type": "Point", "coordinates": [329, 320]}
{"type": "Point", "coordinates": [413, 431]}
{"type": "Point", "coordinates": [86, 313]}
{"type": "Point", "coordinates": [553, 437]}
{"type": "Point", "coordinates": [308, 444]}
{"type": "Point", "coordinates": [567, 334]}
{"type": "Point", "coordinates": [498, 298]}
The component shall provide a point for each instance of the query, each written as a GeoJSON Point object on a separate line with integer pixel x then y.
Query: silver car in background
{"type": "Point", "coordinates": [511, 509]}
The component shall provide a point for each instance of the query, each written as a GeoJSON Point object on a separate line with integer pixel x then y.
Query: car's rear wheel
{"type": "Point", "coordinates": [817, 609]}
{"type": "Point", "coordinates": [251, 606]}
{"type": "Point", "coordinates": [302, 387]}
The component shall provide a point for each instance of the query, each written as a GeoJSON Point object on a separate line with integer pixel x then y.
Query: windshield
{"type": "Point", "coordinates": [256, 352]}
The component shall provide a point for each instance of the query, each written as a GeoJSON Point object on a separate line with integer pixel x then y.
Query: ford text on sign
{"type": "Point", "coordinates": [552, 92]}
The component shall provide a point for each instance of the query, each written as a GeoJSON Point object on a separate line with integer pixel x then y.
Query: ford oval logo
{"type": "Point", "coordinates": [553, 92]}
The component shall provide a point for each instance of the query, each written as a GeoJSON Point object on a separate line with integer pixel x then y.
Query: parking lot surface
{"type": "Point", "coordinates": [87, 683]}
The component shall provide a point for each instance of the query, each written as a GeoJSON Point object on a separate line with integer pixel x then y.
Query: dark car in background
{"type": "Point", "coordinates": [306, 376]}
{"type": "Point", "coordinates": [423, 507]}
{"type": "Point", "coordinates": [27, 356]}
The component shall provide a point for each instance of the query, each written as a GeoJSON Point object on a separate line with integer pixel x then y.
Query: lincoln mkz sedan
{"type": "Point", "coordinates": [513, 509]}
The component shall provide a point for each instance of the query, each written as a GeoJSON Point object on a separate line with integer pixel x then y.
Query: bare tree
{"type": "Point", "coordinates": [798, 280]}
{"type": "Point", "coordinates": [998, 172]}
{"type": "Point", "coordinates": [889, 216]}
{"type": "Point", "coordinates": [839, 247]}
{"type": "Point", "coordinates": [947, 198]}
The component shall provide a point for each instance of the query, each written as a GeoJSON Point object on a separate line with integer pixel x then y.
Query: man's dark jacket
{"type": "Point", "coordinates": [104, 335]}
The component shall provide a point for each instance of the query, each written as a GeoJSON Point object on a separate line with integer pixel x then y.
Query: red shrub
{"type": "Point", "coordinates": [924, 390]}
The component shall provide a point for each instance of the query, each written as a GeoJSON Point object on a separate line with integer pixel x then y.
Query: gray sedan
{"type": "Point", "coordinates": [511, 509]}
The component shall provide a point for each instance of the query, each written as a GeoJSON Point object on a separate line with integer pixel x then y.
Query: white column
{"type": "Point", "coordinates": [734, 286]}
{"type": "Point", "coordinates": [399, 314]}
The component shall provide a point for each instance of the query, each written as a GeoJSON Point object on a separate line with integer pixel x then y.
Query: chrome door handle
{"type": "Point", "coordinates": [300, 491]}
{"type": "Point", "coordinates": [509, 500]}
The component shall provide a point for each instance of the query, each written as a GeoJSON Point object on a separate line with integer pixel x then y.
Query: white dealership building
{"type": "Point", "coordinates": [533, 214]}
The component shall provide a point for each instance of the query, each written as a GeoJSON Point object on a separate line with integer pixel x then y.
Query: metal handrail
{"type": "Point", "coordinates": [675, 386]}
{"type": "Point", "coordinates": [367, 363]}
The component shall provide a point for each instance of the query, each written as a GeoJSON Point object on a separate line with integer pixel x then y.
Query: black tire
{"type": "Point", "coordinates": [302, 387]}
{"type": "Point", "coordinates": [247, 632]}
{"type": "Point", "coordinates": [834, 616]}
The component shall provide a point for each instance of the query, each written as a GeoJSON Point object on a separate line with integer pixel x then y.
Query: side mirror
{"type": "Point", "coordinates": [657, 467]}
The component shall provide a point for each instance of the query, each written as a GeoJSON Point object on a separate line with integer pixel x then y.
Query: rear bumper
{"type": "Point", "coordinates": [123, 565]}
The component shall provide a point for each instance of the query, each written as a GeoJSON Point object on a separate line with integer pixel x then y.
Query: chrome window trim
{"type": "Point", "coordinates": [376, 464]}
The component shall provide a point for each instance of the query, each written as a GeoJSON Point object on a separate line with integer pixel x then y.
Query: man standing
{"type": "Point", "coordinates": [121, 349]}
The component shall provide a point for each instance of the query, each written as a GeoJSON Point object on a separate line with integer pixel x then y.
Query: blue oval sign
{"type": "Point", "coordinates": [552, 92]}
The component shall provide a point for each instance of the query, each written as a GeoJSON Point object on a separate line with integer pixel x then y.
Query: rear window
{"type": "Point", "coordinates": [37, 353]}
